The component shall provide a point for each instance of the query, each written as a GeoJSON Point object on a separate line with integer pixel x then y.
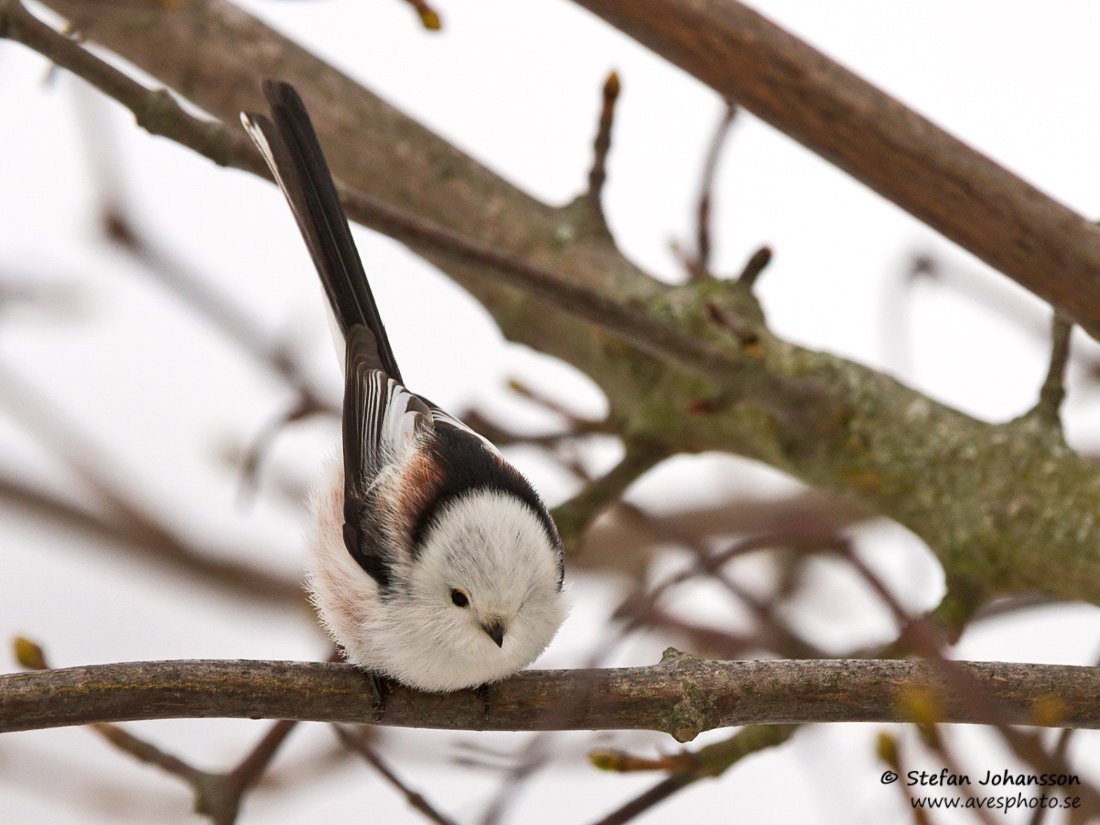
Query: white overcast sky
{"type": "Point", "coordinates": [516, 85]}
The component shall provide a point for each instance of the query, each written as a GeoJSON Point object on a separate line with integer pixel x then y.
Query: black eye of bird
{"type": "Point", "coordinates": [459, 598]}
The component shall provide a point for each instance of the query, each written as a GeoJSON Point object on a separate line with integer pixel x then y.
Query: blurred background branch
{"type": "Point", "coordinates": [830, 422]}
{"type": "Point", "coordinates": [1008, 508]}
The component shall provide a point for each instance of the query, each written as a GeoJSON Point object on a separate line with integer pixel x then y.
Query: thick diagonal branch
{"type": "Point", "coordinates": [1041, 244]}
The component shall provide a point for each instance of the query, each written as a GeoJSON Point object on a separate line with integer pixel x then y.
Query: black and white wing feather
{"type": "Point", "coordinates": [382, 420]}
{"type": "Point", "coordinates": [382, 424]}
{"type": "Point", "coordinates": [441, 416]}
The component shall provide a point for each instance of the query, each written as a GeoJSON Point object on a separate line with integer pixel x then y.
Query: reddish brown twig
{"type": "Point", "coordinates": [889, 751]}
{"type": "Point", "coordinates": [780, 637]}
{"type": "Point", "coordinates": [414, 798]}
{"type": "Point", "coordinates": [158, 112]}
{"type": "Point", "coordinates": [754, 266]}
{"type": "Point", "coordinates": [429, 17]}
{"type": "Point", "coordinates": [1053, 391]}
{"type": "Point", "coordinates": [217, 795]}
{"type": "Point", "coordinates": [125, 517]}
{"type": "Point", "coordinates": [687, 768]}
{"type": "Point", "coordinates": [700, 266]}
{"type": "Point", "coordinates": [920, 635]}
{"type": "Point", "coordinates": [1043, 245]}
{"type": "Point", "coordinates": [602, 145]}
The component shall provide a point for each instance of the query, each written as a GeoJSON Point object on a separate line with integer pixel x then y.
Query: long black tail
{"type": "Point", "coordinates": [291, 149]}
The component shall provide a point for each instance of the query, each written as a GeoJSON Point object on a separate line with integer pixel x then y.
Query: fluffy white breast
{"type": "Point", "coordinates": [492, 547]}
{"type": "Point", "coordinates": [487, 544]}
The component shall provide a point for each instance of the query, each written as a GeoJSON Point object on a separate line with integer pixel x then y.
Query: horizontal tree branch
{"type": "Point", "coordinates": [1041, 244]}
{"type": "Point", "coordinates": [682, 695]}
{"type": "Point", "coordinates": [1008, 509]}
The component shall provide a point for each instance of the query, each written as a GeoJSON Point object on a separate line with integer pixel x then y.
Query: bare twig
{"type": "Point", "coordinates": [642, 604]}
{"type": "Point", "coordinates": [205, 567]}
{"type": "Point", "coordinates": [986, 292]}
{"type": "Point", "coordinates": [700, 267]}
{"type": "Point", "coordinates": [233, 321]}
{"type": "Point", "coordinates": [1011, 604]}
{"type": "Point", "coordinates": [429, 17]}
{"type": "Point", "coordinates": [252, 767]}
{"type": "Point", "coordinates": [505, 436]}
{"type": "Point", "coordinates": [160, 114]}
{"type": "Point", "coordinates": [59, 299]}
{"type": "Point", "coordinates": [778, 636]}
{"type": "Point", "coordinates": [217, 795]}
{"type": "Point", "coordinates": [658, 793]}
{"type": "Point", "coordinates": [577, 426]}
{"type": "Point", "coordinates": [304, 406]}
{"type": "Point", "coordinates": [620, 543]}
{"type": "Point", "coordinates": [547, 402]}
{"type": "Point", "coordinates": [150, 754]}
{"type": "Point", "coordinates": [156, 110]}
{"type": "Point", "coordinates": [706, 641]}
{"type": "Point", "coordinates": [686, 769]}
{"type": "Point", "coordinates": [602, 145]}
{"type": "Point", "coordinates": [574, 515]}
{"type": "Point", "coordinates": [926, 639]}
{"type": "Point", "coordinates": [533, 758]}
{"type": "Point", "coordinates": [889, 751]}
{"type": "Point", "coordinates": [1041, 244]}
{"type": "Point", "coordinates": [896, 308]}
{"type": "Point", "coordinates": [126, 518]}
{"type": "Point", "coordinates": [415, 799]}
{"type": "Point", "coordinates": [755, 265]}
{"type": "Point", "coordinates": [1053, 392]}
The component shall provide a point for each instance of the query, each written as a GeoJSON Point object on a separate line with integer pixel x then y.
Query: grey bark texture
{"type": "Point", "coordinates": [682, 696]}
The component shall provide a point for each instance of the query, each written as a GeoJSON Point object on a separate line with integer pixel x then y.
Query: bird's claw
{"type": "Point", "coordinates": [483, 697]}
{"type": "Point", "coordinates": [381, 688]}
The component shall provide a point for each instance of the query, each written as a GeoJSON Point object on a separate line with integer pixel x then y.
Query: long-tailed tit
{"type": "Point", "coordinates": [434, 562]}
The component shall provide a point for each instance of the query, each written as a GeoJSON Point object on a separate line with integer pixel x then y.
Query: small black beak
{"type": "Point", "coordinates": [495, 631]}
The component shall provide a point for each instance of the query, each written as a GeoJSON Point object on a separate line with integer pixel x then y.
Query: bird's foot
{"type": "Point", "coordinates": [483, 697]}
{"type": "Point", "coordinates": [382, 689]}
